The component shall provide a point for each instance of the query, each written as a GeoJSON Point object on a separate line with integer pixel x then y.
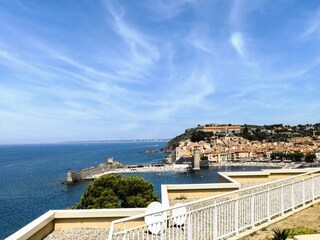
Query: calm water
{"type": "Point", "coordinates": [31, 175]}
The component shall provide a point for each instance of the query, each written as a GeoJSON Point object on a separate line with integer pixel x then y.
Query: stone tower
{"type": "Point", "coordinates": [69, 176]}
{"type": "Point", "coordinates": [196, 159]}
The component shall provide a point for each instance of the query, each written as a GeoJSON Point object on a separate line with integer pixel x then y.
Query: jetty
{"type": "Point", "coordinates": [111, 166]}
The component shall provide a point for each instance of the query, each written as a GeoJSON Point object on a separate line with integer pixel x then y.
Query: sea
{"type": "Point", "coordinates": [31, 175]}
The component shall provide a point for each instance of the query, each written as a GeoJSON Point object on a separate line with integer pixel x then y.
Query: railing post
{"type": "Point", "coordinates": [268, 204]}
{"type": "Point", "coordinates": [163, 228]}
{"type": "Point", "coordinates": [111, 231]}
{"type": "Point", "coordinates": [282, 199]}
{"type": "Point", "coordinates": [215, 223]}
{"type": "Point", "coordinates": [292, 194]}
{"type": "Point", "coordinates": [313, 189]}
{"type": "Point", "coordinates": [236, 215]}
{"type": "Point", "coordinates": [189, 227]}
{"type": "Point", "coordinates": [303, 192]}
{"type": "Point", "coordinates": [252, 210]}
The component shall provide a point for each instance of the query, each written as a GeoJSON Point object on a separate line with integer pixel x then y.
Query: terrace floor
{"type": "Point", "coordinates": [79, 233]}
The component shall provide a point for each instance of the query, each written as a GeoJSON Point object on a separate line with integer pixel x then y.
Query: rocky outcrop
{"type": "Point", "coordinates": [174, 142]}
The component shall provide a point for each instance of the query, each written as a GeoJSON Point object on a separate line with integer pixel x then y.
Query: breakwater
{"type": "Point", "coordinates": [118, 168]}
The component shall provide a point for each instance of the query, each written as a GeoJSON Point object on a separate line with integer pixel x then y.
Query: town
{"type": "Point", "coordinates": [223, 143]}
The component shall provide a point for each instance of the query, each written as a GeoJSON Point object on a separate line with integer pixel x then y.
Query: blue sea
{"type": "Point", "coordinates": [31, 176]}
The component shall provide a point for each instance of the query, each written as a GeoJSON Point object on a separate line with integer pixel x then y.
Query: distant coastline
{"type": "Point", "coordinates": [120, 141]}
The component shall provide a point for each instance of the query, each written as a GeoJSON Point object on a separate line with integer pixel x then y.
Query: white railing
{"type": "Point", "coordinates": [225, 215]}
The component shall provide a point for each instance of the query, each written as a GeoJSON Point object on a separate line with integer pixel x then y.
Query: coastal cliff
{"type": "Point", "coordinates": [174, 142]}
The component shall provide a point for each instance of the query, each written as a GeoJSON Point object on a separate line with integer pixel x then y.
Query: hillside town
{"type": "Point", "coordinates": [222, 143]}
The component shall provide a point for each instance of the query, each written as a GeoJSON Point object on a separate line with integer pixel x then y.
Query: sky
{"type": "Point", "coordinates": [77, 70]}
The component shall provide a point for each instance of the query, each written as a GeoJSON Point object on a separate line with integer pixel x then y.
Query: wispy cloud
{"type": "Point", "coordinates": [166, 10]}
{"type": "Point", "coordinates": [141, 50]}
{"type": "Point", "coordinates": [237, 41]}
{"type": "Point", "coordinates": [312, 24]}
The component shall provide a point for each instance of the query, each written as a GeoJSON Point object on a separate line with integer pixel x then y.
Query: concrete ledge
{"type": "Point", "coordinates": [296, 170]}
{"type": "Point", "coordinates": [64, 219]}
{"type": "Point", "coordinates": [307, 237]}
{"type": "Point", "coordinates": [195, 191]}
{"type": "Point", "coordinates": [226, 178]}
{"type": "Point", "coordinates": [265, 175]}
{"type": "Point", "coordinates": [253, 173]}
{"type": "Point", "coordinates": [202, 186]}
{"type": "Point", "coordinates": [164, 196]}
{"type": "Point", "coordinates": [34, 227]}
{"type": "Point", "coordinates": [98, 213]}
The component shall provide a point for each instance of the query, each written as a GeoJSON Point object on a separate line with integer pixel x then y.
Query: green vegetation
{"type": "Point", "coordinates": [301, 231]}
{"type": "Point", "coordinates": [310, 157]}
{"type": "Point", "coordinates": [181, 197]}
{"type": "Point", "coordinates": [115, 191]}
{"type": "Point", "coordinates": [256, 135]}
{"type": "Point", "coordinates": [280, 234]}
{"type": "Point", "coordinates": [296, 156]}
{"type": "Point", "coordinates": [174, 142]}
{"type": "Point", "coordinates": [204, 158]}
{"type": "Point", "coordinates": [198, 136]}
{"type": "Point", "coordinates": [278, 132]}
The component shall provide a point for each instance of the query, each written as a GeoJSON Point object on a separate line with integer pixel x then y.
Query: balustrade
{"type": "Point", "coordinates": [229, 214]}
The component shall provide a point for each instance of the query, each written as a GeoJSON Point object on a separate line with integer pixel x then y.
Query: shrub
{"type": "Point", "coordinates": [279, 234]}
{"type": "Point", "coordinates": [115, 191]}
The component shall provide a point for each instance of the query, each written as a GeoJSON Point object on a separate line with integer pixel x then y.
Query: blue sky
{"type": "Point", "coordinates": [91, 70]}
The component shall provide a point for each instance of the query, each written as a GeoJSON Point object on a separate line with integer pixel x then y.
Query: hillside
{"type": "Point", "coordinates": [267, 133]}
{"type": "Point", "coordinates": [174, 142]}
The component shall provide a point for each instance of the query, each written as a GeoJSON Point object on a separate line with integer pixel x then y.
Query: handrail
{"type": "Point", "coordinates": [124, 220]}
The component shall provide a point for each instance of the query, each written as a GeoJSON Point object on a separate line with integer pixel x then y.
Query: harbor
{"type": "Point", "coordinates": [113, 167]}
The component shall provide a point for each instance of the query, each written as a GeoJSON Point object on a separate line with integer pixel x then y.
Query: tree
{"type": "Point", "coordinates": [204, 158]}
{"type": "Point", "coordinates": [200, 136]}
{"type": "Point", "coordinates": [245, 131]}
{"type": "Point", "coordinates": [310, 157]}
{"type": "Point", "coordinates": [115, 191]}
